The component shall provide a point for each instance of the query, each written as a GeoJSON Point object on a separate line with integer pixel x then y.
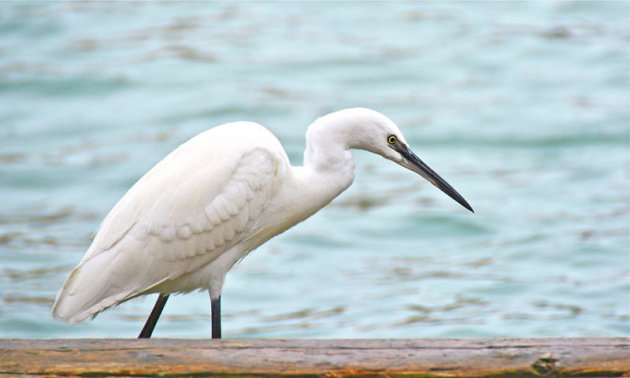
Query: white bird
{"type": "Point", "coordinates": [212, 201]}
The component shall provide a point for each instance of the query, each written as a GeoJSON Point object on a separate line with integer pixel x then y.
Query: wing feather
{"type": "Point", "coordinates": [189, 209]}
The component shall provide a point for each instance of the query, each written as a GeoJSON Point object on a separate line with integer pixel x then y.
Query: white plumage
{"type": "Point", "coordinates": [213, 200]}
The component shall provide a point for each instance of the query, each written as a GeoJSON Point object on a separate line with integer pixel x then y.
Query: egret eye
{"type": "Point", "coordinates": [392, 139]}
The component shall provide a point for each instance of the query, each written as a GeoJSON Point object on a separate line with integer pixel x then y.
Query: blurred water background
{"type": "Point", "coordinates": [522, 106]}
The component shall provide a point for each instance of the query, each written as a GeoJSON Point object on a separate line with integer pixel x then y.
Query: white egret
{"type": "Point", "coordinates": [212, 201]}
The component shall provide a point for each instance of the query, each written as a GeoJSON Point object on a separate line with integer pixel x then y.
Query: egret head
{"type": "Point", "coordinates": [370, 130]}
{"type": "Point", "coordinates": [381, 135]}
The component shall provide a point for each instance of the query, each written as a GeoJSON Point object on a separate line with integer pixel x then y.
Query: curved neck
{"type": "Point", "coordinates": [327, 171]}
{"type": "Point", "coordinates": [328, 159]}
{"type": "Point", "coordinates": [328, 167]}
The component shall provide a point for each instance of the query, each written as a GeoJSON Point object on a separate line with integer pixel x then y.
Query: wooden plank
{"type": "Point", "coordinates": [354, 357]}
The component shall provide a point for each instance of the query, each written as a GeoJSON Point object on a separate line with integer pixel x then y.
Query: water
{"type": "Point", "coordinates": [522, 107]}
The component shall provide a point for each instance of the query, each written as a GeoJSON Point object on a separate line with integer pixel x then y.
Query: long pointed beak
{"type": "Point", "coordinates": [413, 162]}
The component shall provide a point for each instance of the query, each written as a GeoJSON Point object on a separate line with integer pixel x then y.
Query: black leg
{"type": "Point", "coordinates": [147, 330]}
{"type": "Point", "coordinates": [215, 305]}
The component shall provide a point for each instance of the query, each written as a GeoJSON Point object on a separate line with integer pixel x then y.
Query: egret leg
{"type": "Point", "coordinates": [147, 330]}
{"type": "Point", "coordinates": [215, 305]}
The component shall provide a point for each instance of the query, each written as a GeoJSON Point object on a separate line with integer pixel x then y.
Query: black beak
{"type": "Point", "coordinates": [413, 162]}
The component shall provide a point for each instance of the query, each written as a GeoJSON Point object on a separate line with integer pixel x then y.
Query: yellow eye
{"type": "Point", "coordinates": [392, 139]}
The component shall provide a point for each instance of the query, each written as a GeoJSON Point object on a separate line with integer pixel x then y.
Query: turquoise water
{"type": "Point", "coordinates": [523, 107]}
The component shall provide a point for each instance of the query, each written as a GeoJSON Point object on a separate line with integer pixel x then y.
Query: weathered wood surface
{"type": "Point", "coordinates": [355, 357]}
